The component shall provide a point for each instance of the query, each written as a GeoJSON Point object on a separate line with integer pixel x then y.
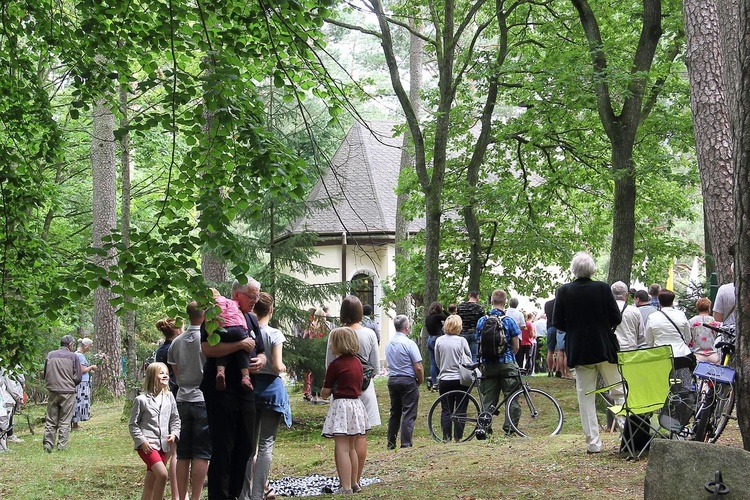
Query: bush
{"type": "Point", "coordinates": [302, 355]}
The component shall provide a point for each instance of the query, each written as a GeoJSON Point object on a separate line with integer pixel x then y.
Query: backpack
{"type": "Point", "coordinates": [368, 371]}
{"type": "Point", "coordinates": [493, 343]}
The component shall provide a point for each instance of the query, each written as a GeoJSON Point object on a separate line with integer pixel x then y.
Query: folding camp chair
{"type": "Point", "coordinates": [646, 384]}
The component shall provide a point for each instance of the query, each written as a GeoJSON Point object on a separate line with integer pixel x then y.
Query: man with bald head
{"type": "Point", "coordinates": [231, 412]}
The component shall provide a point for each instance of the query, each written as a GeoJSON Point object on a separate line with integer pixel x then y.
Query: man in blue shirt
{"type": "Point", "coordinates": [501, 374]}
{"type": "Point", "coordinates": [405, 373]}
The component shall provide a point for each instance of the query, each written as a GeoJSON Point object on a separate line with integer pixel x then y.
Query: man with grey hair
{"type": "Point", "coordinates": [405, 373]}
{"type": "Point", "coordinates": [62, 373]}
{"type": "Point", "coordinates": [586, 310]}
{"type": "Point", "coordinates": [231, 412]}
{"type": "Point", "coordinates": [631, 334]}
{"type": "Point", "coordinates": [513, 313]}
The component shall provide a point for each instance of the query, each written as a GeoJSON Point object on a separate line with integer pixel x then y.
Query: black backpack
{"type": "Point", "coordinates": [494, 343]}
{"type": "Point", "coordinates": [367, 370]}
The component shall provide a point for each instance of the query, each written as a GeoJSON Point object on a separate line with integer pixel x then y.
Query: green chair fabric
{"type": "Point", "coordinates": [646, 383]}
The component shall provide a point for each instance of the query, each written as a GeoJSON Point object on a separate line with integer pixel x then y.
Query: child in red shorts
{"type": "Point", "coordinates": [155, 426]}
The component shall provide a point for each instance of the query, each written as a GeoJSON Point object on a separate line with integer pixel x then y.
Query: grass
{"type": "Point", "coordinates": [100, 462]}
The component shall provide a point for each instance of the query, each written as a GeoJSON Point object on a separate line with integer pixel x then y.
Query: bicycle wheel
{"type": "Point", "coordinates": [705, 408]}
{"type": "Point", "coordinates": [722, 412]}
{"type": "Point", "coordinates": [541, 414]}
{"type": "Point", "coordinates": [453, 417]}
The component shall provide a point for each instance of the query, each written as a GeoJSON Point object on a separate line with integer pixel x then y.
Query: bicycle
{"type": "Point", "coordinates": [715, 389]}
{"type": "Point", "coordinates": [541, 414]}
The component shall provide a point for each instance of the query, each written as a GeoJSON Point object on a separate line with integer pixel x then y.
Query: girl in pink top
{"type": "Point", "coordinates": [233, 329]}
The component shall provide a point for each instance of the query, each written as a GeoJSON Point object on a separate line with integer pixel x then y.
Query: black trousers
{"type": "Point", "coordinates": [404, 393]}
{"type": "Point", "coordinates": [231, 421]}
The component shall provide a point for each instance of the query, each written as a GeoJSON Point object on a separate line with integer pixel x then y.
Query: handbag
{"type": "Point", "coordinates": [465, 375]}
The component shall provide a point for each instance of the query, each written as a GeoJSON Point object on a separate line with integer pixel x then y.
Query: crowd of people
{"type": "Point", "coordinates": [210, 411]}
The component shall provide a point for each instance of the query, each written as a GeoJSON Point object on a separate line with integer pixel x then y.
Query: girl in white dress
{"type": "Point", "coordinates": [346, 419]}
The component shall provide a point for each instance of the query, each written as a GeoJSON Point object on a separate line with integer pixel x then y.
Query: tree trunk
{"type": "Point", "coordinates": [402, 224]}
{"type": "Point", "coordinates": [622, 129]}
{"type": "Point", "coordinates": [476, 263]}
{"type": "Point", "coordinates": [213, 265]}
{"type": "Point", "coordinates": [742, 222]}
{"type": "Point", "coordinates": [623, 213]}
{"type": "Point", "coordinates": [713, 136]}
{"type": "Point", "coordinates": [129, 318]}
{"type": "Point", "coordinates": [106, 322]}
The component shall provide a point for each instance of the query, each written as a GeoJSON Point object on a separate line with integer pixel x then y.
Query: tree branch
{"type": "Point", "coordinates": [599, 61]}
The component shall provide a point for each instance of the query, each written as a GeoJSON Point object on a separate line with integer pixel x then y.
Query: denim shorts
{"type": "Point", "coordinates": [560, 342]}
{"type": "Point", "coordinates": [195, 440]}
{"type": "Point", "coordinates": [551, 338]}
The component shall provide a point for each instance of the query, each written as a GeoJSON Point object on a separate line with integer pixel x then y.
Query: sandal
{"type": "Point", "coordinates": [269, 494]}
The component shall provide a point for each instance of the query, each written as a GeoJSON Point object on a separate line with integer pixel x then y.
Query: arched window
{"type": "Point", "coordinates": [363, 286]}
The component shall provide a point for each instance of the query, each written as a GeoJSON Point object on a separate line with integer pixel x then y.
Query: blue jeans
{"type": "Point", "coordinates": [471, 338]}
{"type": "Point", "coordinates": [433, 366]}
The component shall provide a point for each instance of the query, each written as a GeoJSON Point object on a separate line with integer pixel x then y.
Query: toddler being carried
{"type": "Point", "coordinates": [233, 328]}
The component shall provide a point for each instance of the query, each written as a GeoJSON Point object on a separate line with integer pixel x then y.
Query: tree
{"type": "Point", "coordinates": [402, 197]}
{"type": "Point", "coordinates": [458, 37]}
{"type": "Point", "coordinates": [106, 322]}
{"type": "Point", "coordinates": [125, 207]}
{"type": "Point", "coordinates": [713, 136]}
{"type": "Point", "coordinates": [167, 45]}
{"type": "Point", "coordinates": [740, 88]}
{"type": "Point", "coordinates": [622, 128]}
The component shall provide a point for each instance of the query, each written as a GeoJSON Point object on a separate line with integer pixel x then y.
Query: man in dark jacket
{"type": "Point", "coordinates": [586, 310]}
{"type": "Point", "coordinates": [231, 413]}
{"type": "Point", "coordinates": [62, 373]}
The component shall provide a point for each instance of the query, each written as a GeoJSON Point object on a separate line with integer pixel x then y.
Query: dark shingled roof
{"type": "Point", "coordinates": [361, 182]}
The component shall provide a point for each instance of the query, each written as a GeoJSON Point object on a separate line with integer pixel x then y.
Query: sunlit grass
{"type": "Point", "coordinates": [100, 462]}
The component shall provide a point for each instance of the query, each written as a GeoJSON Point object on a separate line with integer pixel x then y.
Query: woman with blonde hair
{"type": "Point", "coordinates": [155, 428]}
{"type": "Point", "coordinates": [351, 316]}
{"type": "Point", "coordinates": [451, 350]}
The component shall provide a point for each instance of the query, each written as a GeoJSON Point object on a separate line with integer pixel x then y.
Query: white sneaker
{"type": "Point", "coordinates": [14, 439]}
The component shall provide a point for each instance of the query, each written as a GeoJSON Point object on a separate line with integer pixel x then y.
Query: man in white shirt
{"type": "Point", "coordinates": [631, 332]}
{"type": "Point", "coordinates": [513, 313]}
{"type": "Point", "coordinates": [724, 304]}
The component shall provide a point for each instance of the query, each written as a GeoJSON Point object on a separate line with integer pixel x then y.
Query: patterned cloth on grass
{"type": "Point", "coordinates": [312, 486]}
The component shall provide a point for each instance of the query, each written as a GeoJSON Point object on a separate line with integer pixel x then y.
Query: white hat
{"type": "Point", "coordinates": [85, 341]}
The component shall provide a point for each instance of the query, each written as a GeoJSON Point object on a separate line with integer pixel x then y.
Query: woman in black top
{"type": "Point", "coordinates": [433, 324]}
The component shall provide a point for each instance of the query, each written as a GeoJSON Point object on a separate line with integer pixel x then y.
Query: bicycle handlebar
{"type": "Point", "coordinates": [726, 330]}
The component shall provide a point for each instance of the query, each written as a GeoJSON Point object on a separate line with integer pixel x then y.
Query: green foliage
{"type": "Point", "coordinates": [545, 186]}
{"type": "Point", "coordinates": [303, 355]}
{"type": "Point", "coordinates": [178, 62]}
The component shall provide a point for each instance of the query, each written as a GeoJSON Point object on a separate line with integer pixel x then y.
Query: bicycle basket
{"type": "Point", "coordinates": [717, 373]}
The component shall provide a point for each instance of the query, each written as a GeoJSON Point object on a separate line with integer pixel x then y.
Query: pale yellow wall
{"type": "Point", "coordinates": [377, 261]}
